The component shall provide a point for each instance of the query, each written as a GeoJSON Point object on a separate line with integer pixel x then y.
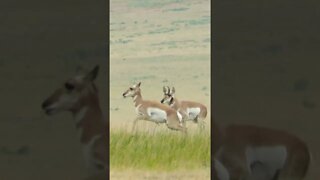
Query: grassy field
{"type": "Point", "coordinates": [166, 151]}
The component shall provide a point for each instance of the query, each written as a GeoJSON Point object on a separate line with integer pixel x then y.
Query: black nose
{"type": "Point", "coordinates": [161, 101]}
{"type": "Point", "coordinates": [123, 94]}
{"type": "Point", "coordinates": [45, 104]}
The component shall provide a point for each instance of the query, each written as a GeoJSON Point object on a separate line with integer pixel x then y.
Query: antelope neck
{"type": "Point", "coordinates": [137, 99]}
{"type": "Point", "coordinates": [89, 121]}
{"type": "Point", "coordinates": [175, 104]}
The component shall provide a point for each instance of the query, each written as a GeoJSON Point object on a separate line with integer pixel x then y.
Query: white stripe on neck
{"type": "Point", "coordinates": [134, 98]}
{"type": "Point", "coordinates": [173, 104]}
{"type": "Point", "coordinates": [137, 109]}
{"type": "Point", "coordinates": [80, 114]}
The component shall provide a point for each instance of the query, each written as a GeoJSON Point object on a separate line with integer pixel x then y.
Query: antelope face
{"type": "Point", "coordinates": [132, 91]}
{"type": "Point", "coordinates": [69, 97]}
{"type": "Point", "coordinates": [168, 95]}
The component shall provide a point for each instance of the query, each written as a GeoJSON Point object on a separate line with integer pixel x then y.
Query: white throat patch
{"type": "Point", "coordinates": [137, 109]}
{"type": "Point", "coordinates": [80, 115]}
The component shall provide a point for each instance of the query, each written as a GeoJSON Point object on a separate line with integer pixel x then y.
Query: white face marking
{"type": "Point", "coordinates": [129, 94]}
{"type": "Point", "coordinates": [267, 159]}
{"type": "Point", "coordinates": [221, 171]}
{"type": "Point", "coordinates": [64, 102]}
{"type": "Point", "coordinates": [193, 112]}
{"type": "Point", "coordinates": [157, 115]}
{"type": "Point", "coordinates": [131, 91]}
{"type": "Point", "coordinates": [53, 108]}
{"type": "Point", "coordinates": [89, 156]}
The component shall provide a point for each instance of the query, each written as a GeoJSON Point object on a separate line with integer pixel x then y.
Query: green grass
{"type": "Point", "coordinates": [161, 151]}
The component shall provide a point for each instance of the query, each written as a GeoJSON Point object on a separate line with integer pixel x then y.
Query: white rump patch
{"type": "Point", "coordinates": [193, 112]}
{"type": "Point", "coordinates": [221, 171]}
{"type": "Point", "coordinates": [157, 115]}
{"type": "Point", "coordinates": [263, 162]}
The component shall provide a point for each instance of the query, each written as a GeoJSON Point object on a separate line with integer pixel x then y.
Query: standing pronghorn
{"type": "Point", "coordinates": [257, 153]}
{"type": "Point", "coordinates": [153, 111]}
{"type": "Point", "coordinates": [79, 96]}
{"type": "Point", "coordinates": [189, 110]}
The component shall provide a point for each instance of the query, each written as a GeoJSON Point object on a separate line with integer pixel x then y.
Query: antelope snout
{"type": "Point", "coordinates": [45, 104]}
{"type": "Point", "coordinates": [124, 95]}
{"type": "Point", "coordinates": [162, 101]}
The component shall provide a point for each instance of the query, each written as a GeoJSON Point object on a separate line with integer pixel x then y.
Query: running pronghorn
{"type": "Point", "coordinates": [189, 110]}
{"type": "Point", "coordinates": [79, 95]}
{"type": "Point", "coordinates": [153, 111]}
{"type": "Point", "coordinates": [257, 153]}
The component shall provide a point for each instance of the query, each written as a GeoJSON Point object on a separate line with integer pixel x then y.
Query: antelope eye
{"type": "Point", "coordinates": [69, 86]}
{"type": "Point", "coordinates": [131, 89]}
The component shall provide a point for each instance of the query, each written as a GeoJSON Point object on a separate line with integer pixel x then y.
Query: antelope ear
{"type": "Point", "coordinates": [165, 90]}
{"type": "Point", "coordinates": [138, 85]}
{"type": "Point", "coordinates": [173, 90]}
{"type": "Point", "coordinates": [92, 75]}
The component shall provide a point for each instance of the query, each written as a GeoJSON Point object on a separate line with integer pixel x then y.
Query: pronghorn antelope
{"type": "Point", "coordinates": [189, 110]}
{"type": "Point", "coordinates": [257, 153]}
{"type": "Point", "coordinates": [79, 96]}
{"type": "Point", "coordinates": [153, 111]}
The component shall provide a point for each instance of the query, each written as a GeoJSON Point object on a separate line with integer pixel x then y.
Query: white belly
{"type": "Point", "coordinates": [157, 115]}
{"type": "Point", "coordinates": [193, 113]}
{"type": "Point", "coordinates": [267, 160]}
{"type": "Point", "coordinates": [221, 171]}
